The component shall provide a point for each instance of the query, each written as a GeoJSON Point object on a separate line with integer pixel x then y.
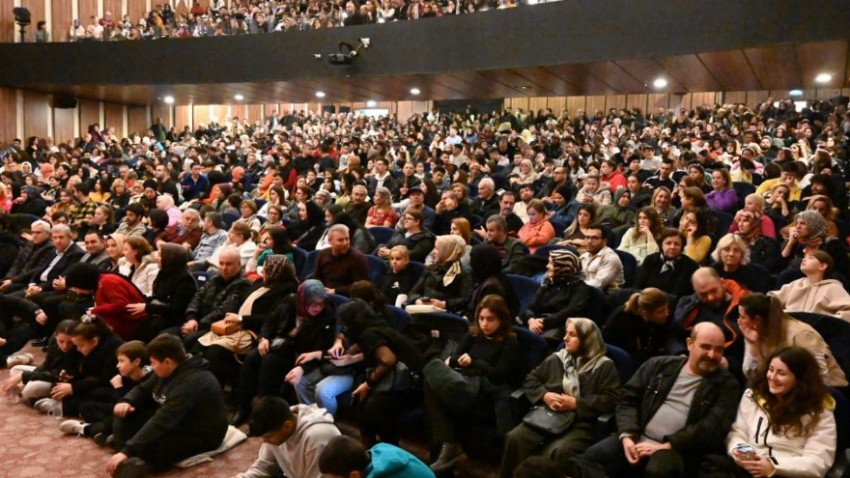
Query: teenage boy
{"type": "Point", "coordinates": [345, 457]}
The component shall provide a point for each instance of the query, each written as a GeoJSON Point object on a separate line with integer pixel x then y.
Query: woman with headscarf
{"type": "Point", "coordinates": [488, 278]}
{"type": "Point", "coordinates": [115, 251]}
{"type": "Point", "coordinates": [274, 241]}
{"type": "Point", "coordinates": [173, 289]}
{"type": "Point", "coordinates": [310, 225]}
{"type": "Point", "coordinates": [291, 341]}
{"type": "Point", "coordinates": [619, 213]}
{"type": "Point", "coordinates": [561, 295]}
{"type": "Point", "coordinates": [577, 379]}
{"type": "Point", "coordinates": [808, 233]}
{"type": "Point", "coordinates": [225, 354]}
{"type": "Point", "coordinates": [444, 283]}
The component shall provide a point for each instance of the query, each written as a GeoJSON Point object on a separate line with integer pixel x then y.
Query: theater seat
{"type": "Point", "coordinates": [377, 268]}
{"type": "Point", "coordinates": [629, 267]}
{"type": "Point", "coordinates": [381, 234]}
{"type": "Point", "coordinates": [524, 288]}
{"type": "Point", "coordinates": [309, 265]}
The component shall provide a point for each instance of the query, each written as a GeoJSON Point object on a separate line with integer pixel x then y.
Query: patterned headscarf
{"type": "Point", "coordinates": [816, 224]}
{"type": "Point", "coordinates": [277, 268]}
{"type": "Point", "coordinates": [567, 266]}
{"type": "Point", "coordinates": [450, 249]}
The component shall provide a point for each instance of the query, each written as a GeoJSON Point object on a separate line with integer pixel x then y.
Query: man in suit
{"type": "Point", "coordinates": [67, 253]}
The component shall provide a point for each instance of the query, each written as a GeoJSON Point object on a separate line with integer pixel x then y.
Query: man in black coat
{"type": "Point", "coordinates": [175, 413]}
{"type": "Point", "coordinates": [673, 411]}
{"type": "Point", "coordinates": [33, 256]}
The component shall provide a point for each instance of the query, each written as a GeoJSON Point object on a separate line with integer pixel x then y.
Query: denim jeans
{"type": "Point", "coordinates": [315, 387]}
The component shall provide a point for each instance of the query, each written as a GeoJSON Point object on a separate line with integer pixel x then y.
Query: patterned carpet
{"type": "Point", "coordinates": [33, 447]}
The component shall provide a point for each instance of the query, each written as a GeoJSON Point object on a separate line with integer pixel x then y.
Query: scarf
{"type": "Point", "coordinates": [276, 268]}
{"type": "Point", "coordinates": [566, 266]}
{"type": "Point", "coordinates": [449, 251]}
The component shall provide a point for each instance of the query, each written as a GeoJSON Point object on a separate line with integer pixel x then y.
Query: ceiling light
{"type": "Point", "coordinates": [795, 93]}
{"type": "Point", "coordinates": [823, 78]}
{"type": "Point", "coordinates": [660, 83]}
{"type": "Point", "coordinates": [371, 104]}
{"type": "Point", "coordinates": [169, 100]}
{"type": "Point", "coordinates": [415, 91]}
{"type": "Point", "coordinates": [238, 97]}
{"type": "Point", "coordinates": [320, 94]}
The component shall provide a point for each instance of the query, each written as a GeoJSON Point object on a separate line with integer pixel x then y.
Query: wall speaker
{"type": "Point", "coordinates": [64, 102]}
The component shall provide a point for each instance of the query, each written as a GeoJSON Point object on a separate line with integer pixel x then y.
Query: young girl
{"type": "Point", "coordinates": [34, 383]}
{"type": "Point", "coordinates": [97, 415]}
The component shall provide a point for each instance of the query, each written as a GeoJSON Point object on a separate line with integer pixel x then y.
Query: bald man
{"type": "Point", "coordinates": [674, 411]}
{"type": "Point", "coordinates": [714, 300]}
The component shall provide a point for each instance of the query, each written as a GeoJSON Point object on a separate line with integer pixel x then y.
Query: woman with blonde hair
{"type": "Point", "coordinates": [732, 261]}
{"type": "Point", "coordinates": [382, 213]}
{"type": "Point", "coordinates": [642, 325]}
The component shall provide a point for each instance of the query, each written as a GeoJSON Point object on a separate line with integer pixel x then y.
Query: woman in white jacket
{"type": "Point", "coordinates": [142, 263]}
{"type": "Point", "coordinates": [815, 292]}
{"type": "Point", "coordinates": [785, 425]}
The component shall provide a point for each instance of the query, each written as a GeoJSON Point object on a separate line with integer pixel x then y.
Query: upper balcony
{"type": "Point", "coordinates": [573, 47]}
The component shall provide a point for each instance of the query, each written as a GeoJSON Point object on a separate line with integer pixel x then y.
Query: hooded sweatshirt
{"type": "Point", "coordinates": [299, 454]}
{"type": "Point", "coordinates": [826, 297]}
{"type": "Point", "coordinates": [390, 461]}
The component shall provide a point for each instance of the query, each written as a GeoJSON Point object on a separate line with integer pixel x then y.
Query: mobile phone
{"type": "Point", "coordinates": [746, 451]}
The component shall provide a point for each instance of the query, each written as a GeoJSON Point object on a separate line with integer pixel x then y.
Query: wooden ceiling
{"type": "Point", "coordinates": [779, 67]}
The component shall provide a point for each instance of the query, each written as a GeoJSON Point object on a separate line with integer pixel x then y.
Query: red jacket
{"type": "Point", "coordinates": [113, 294]}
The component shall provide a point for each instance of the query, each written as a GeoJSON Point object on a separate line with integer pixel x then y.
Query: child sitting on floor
{"type": "Point", "coordinates": [97, 415]}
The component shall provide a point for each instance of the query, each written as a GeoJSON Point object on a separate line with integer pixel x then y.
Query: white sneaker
{"type": "Point", "coordinates": [19, 359]}
{"type": "Point", "coordinates": [73, 427]}
{"type": "Point", "coordinates": [46, 404]}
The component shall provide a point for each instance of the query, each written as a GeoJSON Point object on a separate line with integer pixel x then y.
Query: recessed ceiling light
{"type": "Point", "coordinates": [415, 91]}
{"type": "Point", "coordinates": [320, 94]}
{"type": "Point", "coordinates": [795, 93]}
{"type": "Point", "coordinates": [238, 97]}
{"type": "Point", "coordinates": [660, 83]}
{"type": "Point", "coordinates": [823, 78]}
{"type": "Point", "coordinates": [371, 104]}
{"type": "Point", "coordinates": [169, 100]}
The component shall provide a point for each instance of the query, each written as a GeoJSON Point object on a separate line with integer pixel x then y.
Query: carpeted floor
{"type": "Point", "coordinates": [33, 446]}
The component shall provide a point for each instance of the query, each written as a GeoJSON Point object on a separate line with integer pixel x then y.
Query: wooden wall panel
{"type": "Point", "coordinates": [254, 113]}
{"type": "Point", "coordinates": [181, 117]}
{"type": "Point", "coordinates": [8, 29]}
{"type": "Point", "coordinates": [200, 115]}
{"type": "Point", "coordinates": [576, 103]}
{"type": "Point", "coordinates": [63, 17]}
{"type": "Point", "coordinates": [89, 114]}
{"type": "Point", "coordinates": [8, 104]}
{"type": "Point", "coordinates": [88, 8]}
{"type": "Point", "coordinates": [827, 93]}
{"type": "Point", "coordinates": [655, 101]}
{"type": "Point", "coordinates": [705, 98]}
{"type": "Point", "coordinates": [537, 103]}
{"type": "Point", "coordinates": [63, 124]}
{"type": "Point", "coordinates": [163, 111]}
{"type": "Point", "coordinates": [735, 97]}
{"type": "Point", "coordinates": [755, 98]}
{"type": "Point", "coordinates": [137, 120]}
{"type": "Point", "coordinates": [113, 117]}
{"type": "Point", "coordinates": [615, 101]}
{"type": "Point", "coordinates": [136, 10]}
{"type": "Point", "coordinates": [556, 104]}
{"type": "Point", "coordinates": [636, 101]}
{"type": "Point", "coordinates": [36, 114]}
{"type": "Point", "coordinates": [115, 7]}
{"type": "Point", "coordinates": [37, 13]}
{"type": "Point", "coordinates": [595, 103]}
{"type": "Point", "coordinates": [220, 113]}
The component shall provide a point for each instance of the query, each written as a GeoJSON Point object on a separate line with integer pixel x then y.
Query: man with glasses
{"type": "Point", "coordinates": [600, 265]}
{"type": "Point", "coordinates": [34, 256]}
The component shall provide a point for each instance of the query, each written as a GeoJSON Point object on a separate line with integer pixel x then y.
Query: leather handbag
{"type": "Point", "coordinates": [544, 419]}
{"type": "Point", "coordinates": [222, 328]}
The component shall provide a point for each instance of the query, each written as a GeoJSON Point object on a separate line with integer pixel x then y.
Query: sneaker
{"type": "Point", "coordinates": [104, 439]}
{"type": "Point", "coordinates": [73, 427]}
{"type": "Point", "coordinates": [450, 455]}
{"type": "Point", "coordinates": [19, 359]}
{"type": "Point", "coordinates": [132, 468]}
{"type": "Point", "coordinates": [46, 404]}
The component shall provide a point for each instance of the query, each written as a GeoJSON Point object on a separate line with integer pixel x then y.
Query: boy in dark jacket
{"type": "Point", "coordinates": [177, 412]}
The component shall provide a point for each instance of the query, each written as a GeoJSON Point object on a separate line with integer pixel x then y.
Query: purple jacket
{"type": "Point", "coordinates": [725, 200]}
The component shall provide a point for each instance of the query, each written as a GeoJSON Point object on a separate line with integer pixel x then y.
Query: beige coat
{"type": "Point", "coordinates": [826, 297]}
{"type": "Point", "coordinates": [801, 334]}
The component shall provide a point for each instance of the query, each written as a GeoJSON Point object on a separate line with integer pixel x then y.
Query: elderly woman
{"type": "Point", "coordinates": [561, 295]}
{"type": "Point", "coordinates": [476, 380]}
{"type": "Point", "coordinates": [766, 328]}
{"type": "Point", "coordinates": [248, 215]}
{"type": "Point", "coordinates": [642, 239]}
{"type": "Point", "coordinates": [445, 284]}
{"type": "Point", "coordinates": [524, 174]}
{"type": "Point", "coordinates": [755, 203]}
{"type": "Point", "coordinates": [538, 231]}
{"type": "Point", "coordinates": [722, 196]}
{"type": "Point", "coordinates": [808, 233]}
{"type": "Point", "coordinates": [578, 379]}
{"type": "Point", "coordinates": [732, 261]}
{"type": "Point", "coordinates": [817, 292]}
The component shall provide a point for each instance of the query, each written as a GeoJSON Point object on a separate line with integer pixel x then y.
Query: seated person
{"type": "Point", "coordinates": [601, 266]}
{"type": "Point", "coordinates": [672, 412]}
{"type": "Point", "coordinates": [445, 284]}
{"type": "Point", "coordinates": [399, 281]}
{"type": "Point", "coordinates": [488, 278]}
{"type": "Point", "coordinates": [511, 250]}
{"type": "Point", "coordinates": [766, 329]}
{"type": "Point", "coordinates": [817, 292]}
{"type": "Point", "coordinates": [413, 236]}
{"type": "Point", "coordinates": [790, 395]}
{"type": "Point", "coordinates": [619, 213]}
{"type": "Point", "coordinates": [561, 295]}
{"type": "Point", "coordinates": [575, 233]}
{"type": "Point", "coordinates": [345, 457]}
{"type": "Point", "coordinates": [340, 265]}
{"type": "Point", "coordinates": [34, 383]}
{"type": "Point", "coordinates": [642, 326]}
{"type": "Point", "coordinates": [188, 418]}
{"type": "Point", "coordinates": [731, 261]}
{"type": "Point", "coordinates": [694, 225]}
{"type": "Point", "coordinates": [642, 239]}
{"type": "Point", "coordinates": [293, 438]}
{"type": "Point", "coordinates": [578, 379]}
{"type": "Point", "coordinates": [475, 383]}
{"type": "Point", "coordinates": [538, 231]}
{"type": "Point", "coordinates": [669, 269]}
{"type": "Point", "coordinates": [761, 249]}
